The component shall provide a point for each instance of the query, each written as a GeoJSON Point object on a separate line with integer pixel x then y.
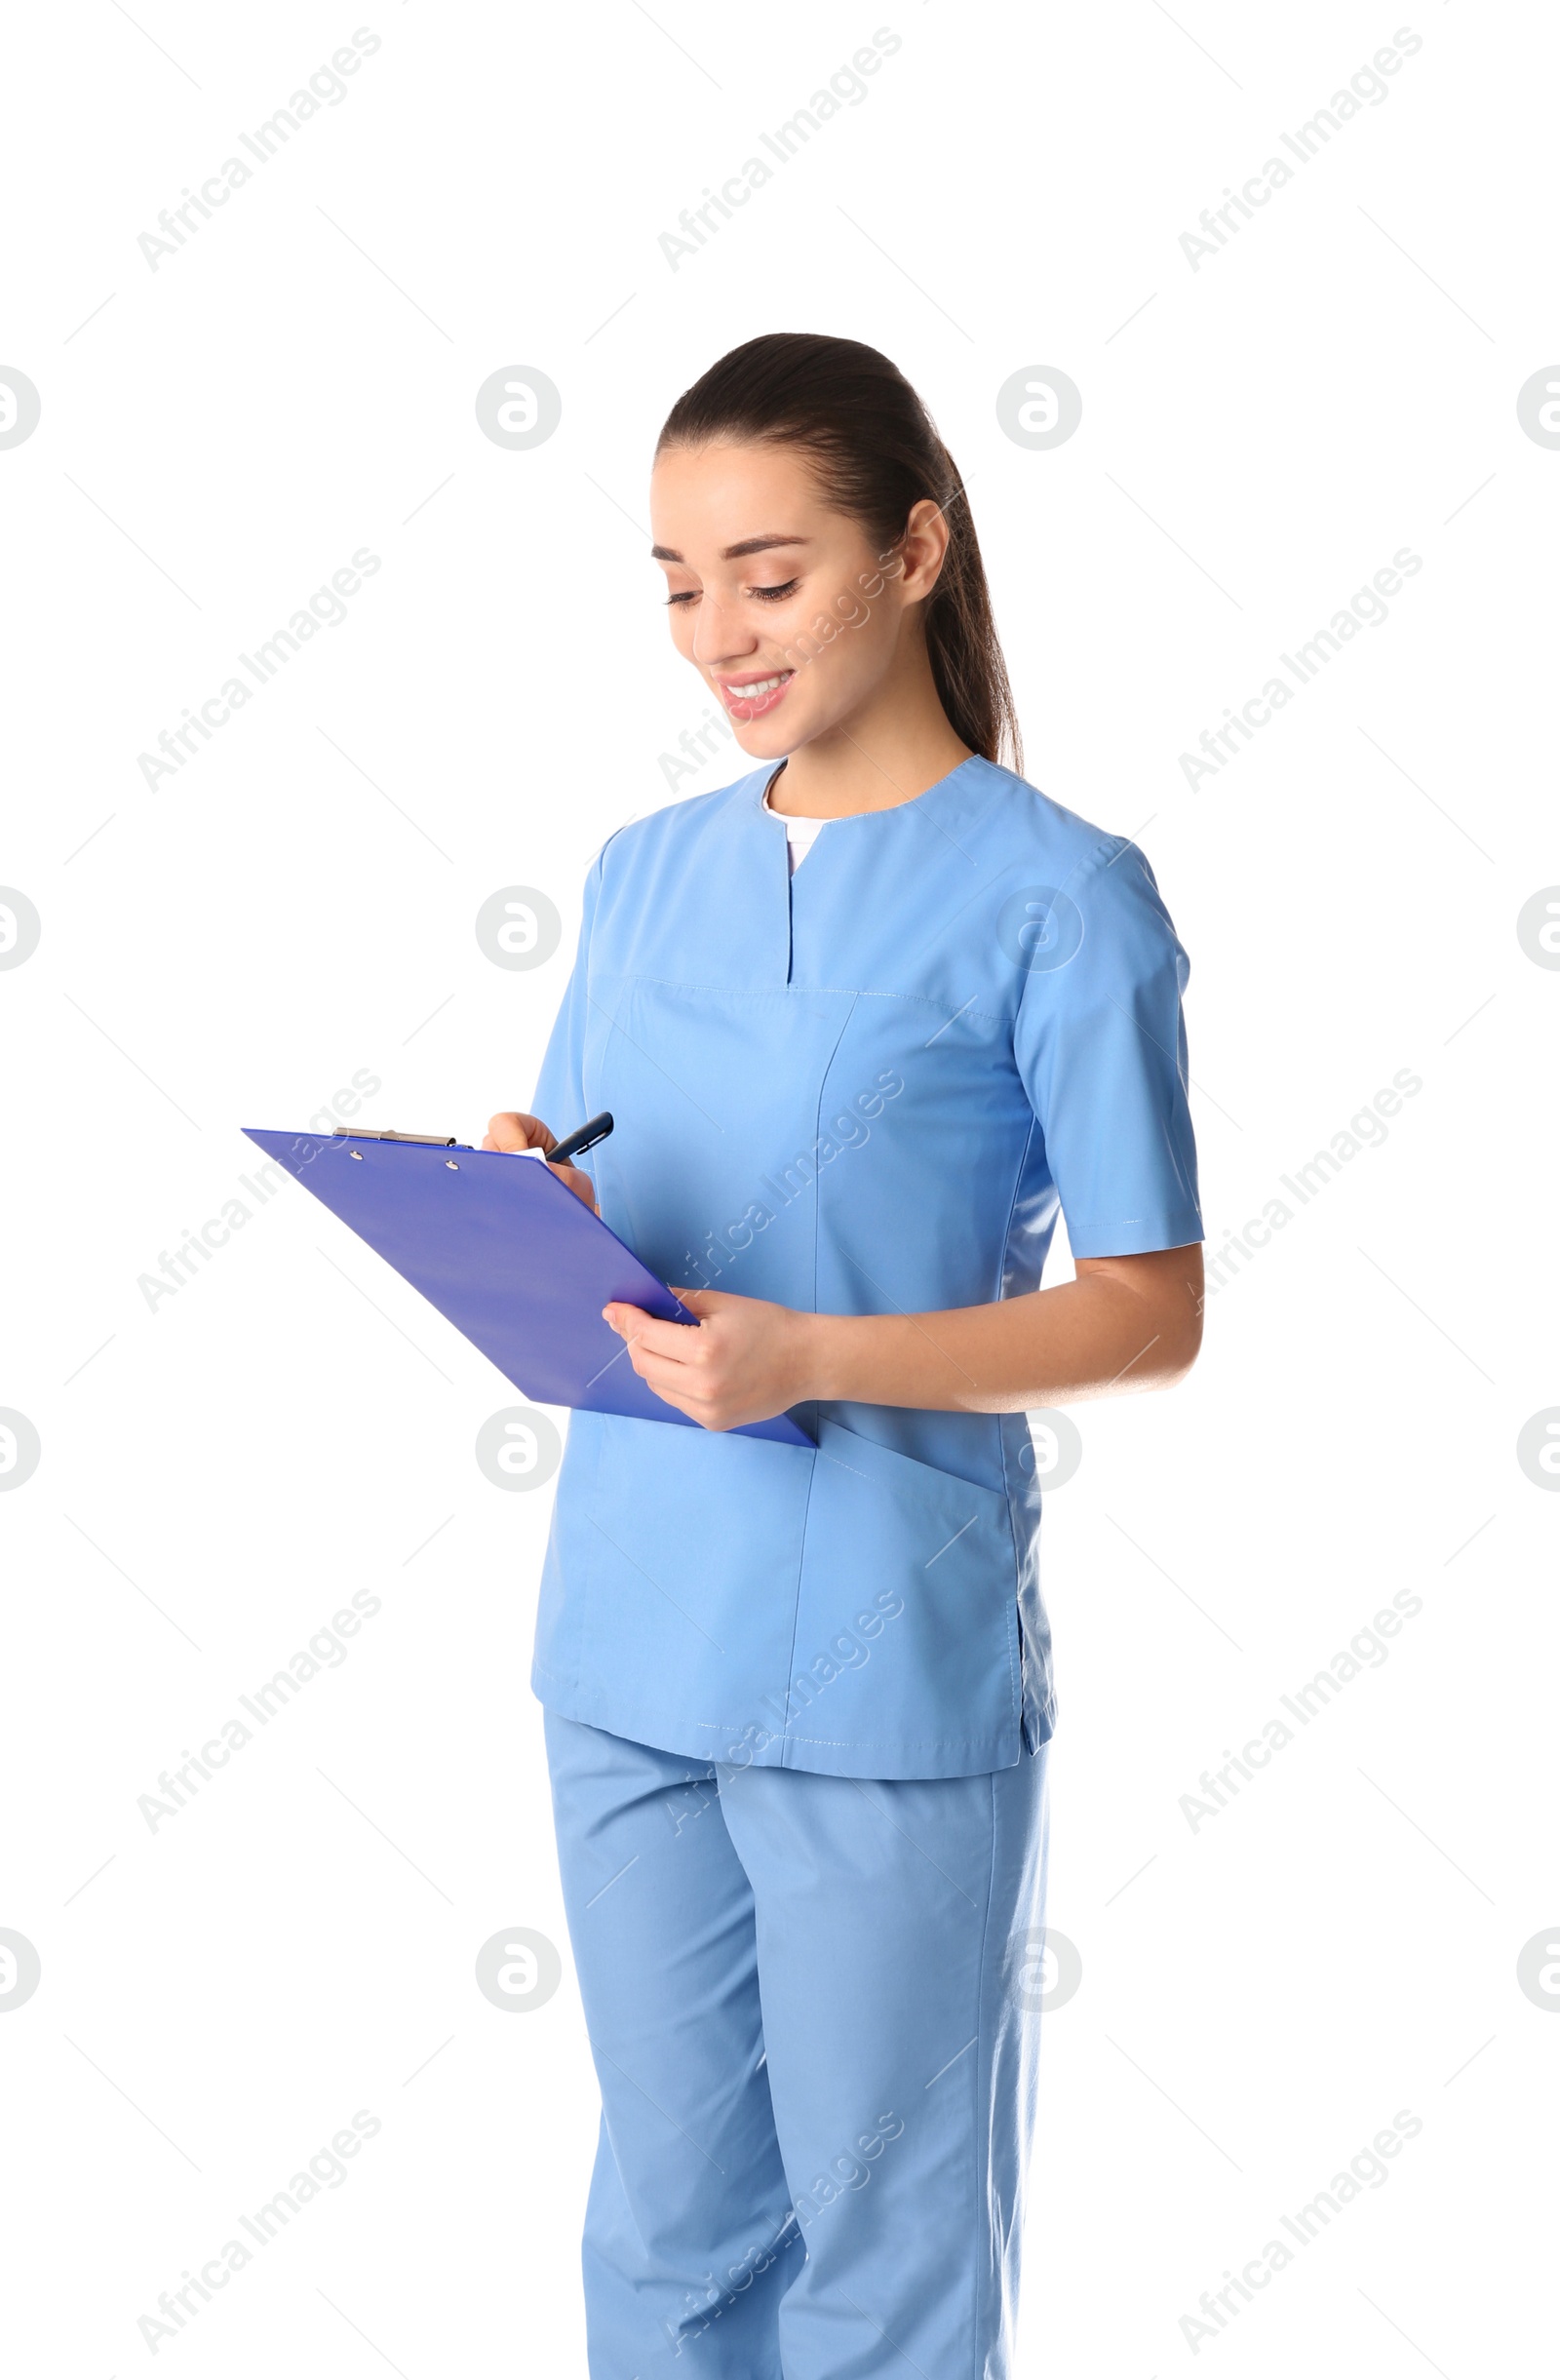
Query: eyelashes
{"type": "Point", "coordinates": [765, 595]}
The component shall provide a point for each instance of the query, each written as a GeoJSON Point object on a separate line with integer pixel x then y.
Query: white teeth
{"type": "Point", "coordinates": [750, 693]}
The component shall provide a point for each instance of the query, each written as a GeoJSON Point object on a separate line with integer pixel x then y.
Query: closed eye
{"type": "Point", "coordinates": [765, 595]}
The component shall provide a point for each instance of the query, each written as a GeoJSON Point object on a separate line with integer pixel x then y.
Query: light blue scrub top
{"type": "Point", "coordinates": [862, 1090]}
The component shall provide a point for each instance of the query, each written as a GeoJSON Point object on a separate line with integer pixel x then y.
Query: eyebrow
{"type": "Point", "coordinates": [732, 553]}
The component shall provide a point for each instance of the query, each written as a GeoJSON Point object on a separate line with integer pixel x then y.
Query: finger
{"type": "Point", "coordinates": [514, 1130]}
{"type": "Point", "coordinates": [669, 1378]}
{"type": "Point", "coordinates": [700, 1302]}
{"type": "Point", "coordinates": [669, 1382]}
{"type": "Point", "coordinates": [662, 1370]}
{"type": "Point", "coordinates": [697, 1409]}
{"type": "Point", "coordinates": [667, 1340]}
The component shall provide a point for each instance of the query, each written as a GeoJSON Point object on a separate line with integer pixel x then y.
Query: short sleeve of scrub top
{"type": "Point", "coordinates": [869, 1087]}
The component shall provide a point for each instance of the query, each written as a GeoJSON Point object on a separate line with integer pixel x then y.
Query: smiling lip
{"type": "Point", "coordinates": [750, 697]}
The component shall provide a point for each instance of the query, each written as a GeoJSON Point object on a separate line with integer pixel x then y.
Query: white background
{"type": "Point", "coordinates": [1261, 1995]}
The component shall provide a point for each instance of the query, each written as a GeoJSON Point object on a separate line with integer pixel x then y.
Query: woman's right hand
{"type": "Point", "coordinates": [512, 1131]}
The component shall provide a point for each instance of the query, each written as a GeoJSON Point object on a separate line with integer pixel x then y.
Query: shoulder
{"type": "Point", "coordinates": [1069, 891]}
{"type": "Point", "coordinates": [1020, 826]}
{"type": "Point", "coordinates": [683, 830]}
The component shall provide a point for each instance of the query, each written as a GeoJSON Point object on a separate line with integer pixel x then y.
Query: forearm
{"type": "Point", "coordinates": [1126, 1322]}
{"type": "Point", "coordinates": [1096, 1335]}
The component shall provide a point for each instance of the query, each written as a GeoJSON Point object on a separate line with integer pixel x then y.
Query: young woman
{"type": "Point", "coordinates": [866, 1019]}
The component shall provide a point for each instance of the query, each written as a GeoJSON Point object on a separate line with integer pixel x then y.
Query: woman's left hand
{"type": "Point", "coordinates": [747, 1360]}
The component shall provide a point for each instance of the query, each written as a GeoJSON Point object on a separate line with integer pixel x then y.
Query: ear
{"type": "Point", "coordinates": [924, 548]}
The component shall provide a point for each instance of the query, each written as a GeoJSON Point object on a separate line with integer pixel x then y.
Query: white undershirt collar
{"type": "Point", "coordinates": [801, 833]}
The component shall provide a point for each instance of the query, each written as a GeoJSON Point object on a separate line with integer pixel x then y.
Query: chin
{"type": "Point", "coordinates": [764, 739]}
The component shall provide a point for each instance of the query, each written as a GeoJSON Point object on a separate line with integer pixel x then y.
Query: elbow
{"type": "Point", "coordinates": [1158, 1300]}
{"type": "Point", "coordinates": [1181, 1353]}
{"type": "Point", "coordinates": [1183, 1334]}
{"type": "Point", "coordinates": [1170, 1358]}
{"type": "Point", "coordinates": [1177, 1318]}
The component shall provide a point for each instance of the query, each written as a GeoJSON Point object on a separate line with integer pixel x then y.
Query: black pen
{"type": "Point", "coordinates": [597, 1129]}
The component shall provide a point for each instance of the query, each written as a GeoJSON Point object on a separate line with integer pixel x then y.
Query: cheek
{"type": "Point", "coordinates": [836, 629]}
{"type": "Point", "coordinates": [860, 645]}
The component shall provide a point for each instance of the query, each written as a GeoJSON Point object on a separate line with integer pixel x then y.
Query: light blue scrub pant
{"type": "Point", "coordinates": [811, 2006]}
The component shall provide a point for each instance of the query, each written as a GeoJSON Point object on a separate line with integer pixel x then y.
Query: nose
{"type": "Point", "coordinates": [720, 635]}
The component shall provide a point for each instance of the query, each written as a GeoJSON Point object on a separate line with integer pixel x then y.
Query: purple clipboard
{"type": "Point", "coordinates": [509, 1254]}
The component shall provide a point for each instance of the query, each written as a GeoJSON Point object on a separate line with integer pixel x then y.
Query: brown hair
{"type": "Point", "coordinates": [876, 453]}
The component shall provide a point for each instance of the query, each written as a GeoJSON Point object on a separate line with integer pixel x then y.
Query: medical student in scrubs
{"type": "Point", "coordinates": [868, 1019]}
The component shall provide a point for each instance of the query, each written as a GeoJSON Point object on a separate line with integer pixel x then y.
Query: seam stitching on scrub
{"type": "Point", "coordinates": [817, 1205]}
{"type": "Point", "coordinates": [838, 991]}
{"type": "Point", "coordinates": [1121, 1222]}
{"type": "Point", "coordinates": [1089, 866]}
{"type": "Point", "coordinates": [806, 1511]}
{"type": "Point", "coordinates": [983, 2144]}
{"type": "Point", "coordinates": [1089, 862]}
{"type": "Point", "coordinates": [1016, 1642]}
{"type": "Point", "coordinates": [795, 1608]}
{"type": "Point", "coordinates": [978, 1744]}
{"type": "Point", "coordinates": [1012, 1210]}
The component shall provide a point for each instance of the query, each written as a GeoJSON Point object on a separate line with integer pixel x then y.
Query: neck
{"type": "Point", "coordinates": [894, 748]}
